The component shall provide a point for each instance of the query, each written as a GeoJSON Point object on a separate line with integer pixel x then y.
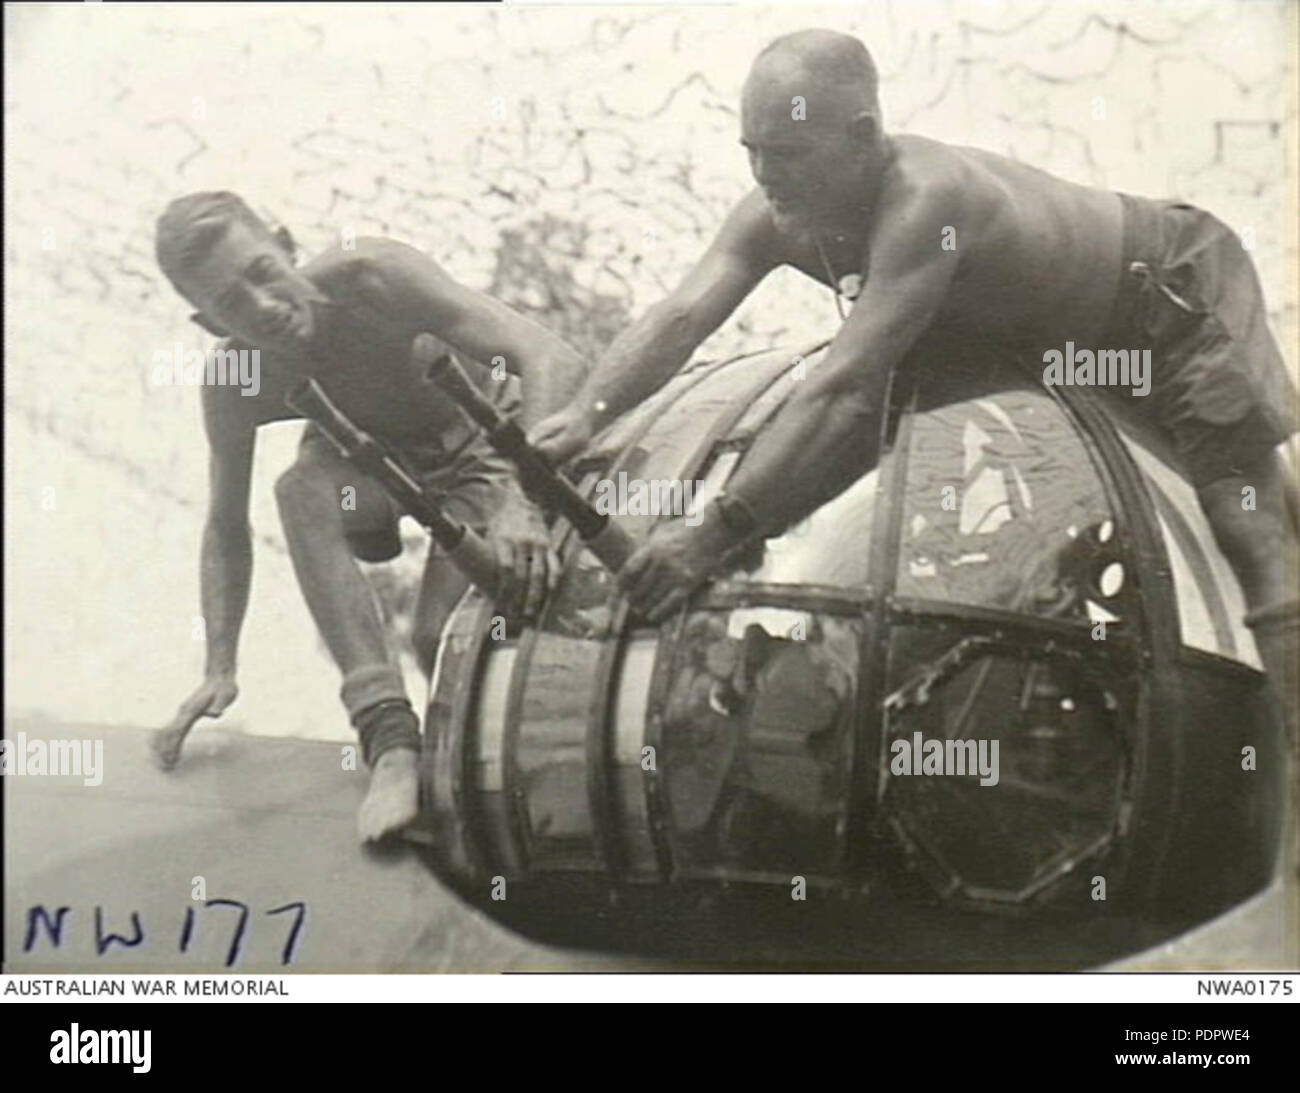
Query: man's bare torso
{"type": "Point", "coordinates": [1037, 256]}
{"type": "Point", "coordinates": [361, 356]}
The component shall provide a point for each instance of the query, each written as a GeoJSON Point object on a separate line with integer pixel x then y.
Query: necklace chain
{"type": "Point", "coordinates": [830, 276]}
{"type": "Point", "coordinates": [890, 154]}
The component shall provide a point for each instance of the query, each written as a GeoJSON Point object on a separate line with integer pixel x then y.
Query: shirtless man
{"type": "Point", "coordinates": [348, 319]}
{"type": "Point", "coordinates": [1037, 261]}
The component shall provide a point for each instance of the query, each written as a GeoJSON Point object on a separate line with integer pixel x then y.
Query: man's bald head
{"type": "Point", "coordinates": [810, 120]}
{"type": "Point", "coordinates": [831, 72]}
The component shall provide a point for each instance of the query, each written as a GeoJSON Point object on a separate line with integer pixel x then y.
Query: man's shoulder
{"type": "Point", "coordinates": [942, 159]}
{"type": "Point", "coordinates": [932, 166]}
{"type": "Point", "coordinates": [356, 259]}
{"type": "Point", "coordinates": [985, 195]}
{"type": "Point", "coordinates": [229, 411]}
{"type": "Point", "coordinates": [930, 170]}
{"type": "Point", "coordinates": [227, 416]}
{"type": "Point", "coordinates": [374, 277]}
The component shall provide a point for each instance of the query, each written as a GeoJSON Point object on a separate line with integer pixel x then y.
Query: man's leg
{"type": "Point", "coordinates": [1223, 394]}
{"type": "Point", "coordinates": [473, 488]}
{"type": "Point", "coordinates": [1263, 546]}
{"type": "Point", "coordinates": [317, 527]}
{"type": "Point", "coordinates": [1254, 524]}
{"type": "Point", "coordinates": [440, 590]}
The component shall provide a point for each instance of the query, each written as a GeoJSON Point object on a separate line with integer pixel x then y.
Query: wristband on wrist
{"type": "Point", "coordinates": [737, 515]}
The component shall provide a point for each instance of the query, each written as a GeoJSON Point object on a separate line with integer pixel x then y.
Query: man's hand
{"type": "Point", "coordinates": [565, 433]}
{"type": "Point", "coordinates": [672, 563]}
{"type": "Point", "coordinates": [527, 565]}
{"type": "Point", "coordinates": [211, 699]}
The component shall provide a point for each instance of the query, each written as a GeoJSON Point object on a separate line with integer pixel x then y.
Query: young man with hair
{"type": "Point", "coordinates": [348, 319]}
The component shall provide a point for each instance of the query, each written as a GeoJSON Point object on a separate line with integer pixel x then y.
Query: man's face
{"type": "Point", "coordinates": [247, 285]}
{"type": "Point", "coordinates": [809, 168]}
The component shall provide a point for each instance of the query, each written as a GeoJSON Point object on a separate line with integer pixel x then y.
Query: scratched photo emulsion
{"type": "Point", "coordinates": [650, 488]}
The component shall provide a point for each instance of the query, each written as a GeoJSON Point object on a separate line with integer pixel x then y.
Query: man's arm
{"type": "Point", "coordinates": [826, 437]}
{"type": "Point", "coordinates": [484, 329]}
{"type": "Point", "coordinates": [225, 569]}
{"type": "Point", "coordinates": [226, 555]}
{"type": "Point", "coordinates": [650, 351]}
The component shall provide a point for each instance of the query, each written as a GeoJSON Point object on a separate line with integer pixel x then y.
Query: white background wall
{"type": "Point", "coordinates": [447, 126]}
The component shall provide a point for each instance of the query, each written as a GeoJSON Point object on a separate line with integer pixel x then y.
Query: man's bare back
{"type": "Point", "coordinates": [1012, 228]}
{"type": "Point", "coordinates": [954, 244]}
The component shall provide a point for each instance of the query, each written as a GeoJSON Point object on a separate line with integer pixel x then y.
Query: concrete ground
{"type": "Point", "coordinates": [269, 823]}
{"type": "Point", "coordinates": [264, 821]}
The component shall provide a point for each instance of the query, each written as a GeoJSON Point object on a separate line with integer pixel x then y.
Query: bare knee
{"type": "Point", "coordinates": [305, 497]}
{"type": "Point", "coordinates": [440, 591]}
{"type": "Point", "coordinates": [431, 615]}
{"type": "Point", "coordinates": [424, 640]}
{"type": "Point", "coordinates": [1251, 521]}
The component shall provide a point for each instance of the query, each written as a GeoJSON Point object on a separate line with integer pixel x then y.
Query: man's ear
{"type": "Point", "coordinates": [199, 319]}
{"type": "Point", "coordinates": [284, 238]}
{"type": "Point", "coordinates": [865, 129]}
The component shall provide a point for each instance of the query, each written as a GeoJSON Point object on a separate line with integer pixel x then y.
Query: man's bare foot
{"type": "Point", "coordinates": [165, 747]}
{"type": "Point", "coordinates": [393, 799]}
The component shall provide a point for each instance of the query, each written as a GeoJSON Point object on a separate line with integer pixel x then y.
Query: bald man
{"type": "Point", "coordinates": [1031, 262]}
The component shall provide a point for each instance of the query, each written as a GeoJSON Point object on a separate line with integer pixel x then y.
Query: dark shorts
{"type": "Point", "coordinates": [468, 478]}
{"type": "Point", "coordinates": [1189, 292]}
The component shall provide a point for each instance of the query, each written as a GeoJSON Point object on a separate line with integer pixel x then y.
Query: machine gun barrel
{"type": "Point", "coordinates": [464, 547]}
{"type": "Point", "coordinates": [540, 481]}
